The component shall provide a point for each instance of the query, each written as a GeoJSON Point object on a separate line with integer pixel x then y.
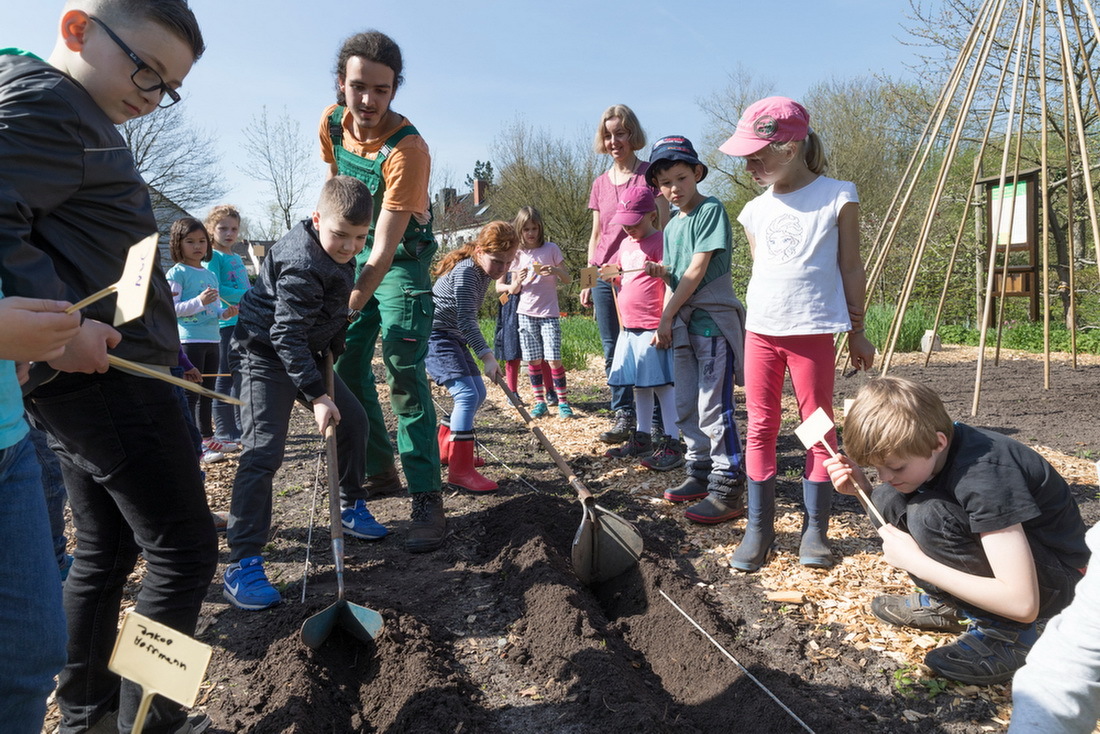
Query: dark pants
{"type": "Point", "coordinates": [269, 395]}
{"type": "Point", "coordinates": [204, 356]}
{"type": "Point", "coordinates": [134, 486]}
{"type": "Point", "coordinates": [607, 319]}
{"type": "Point", "coordinates": [227, 417]}
{"type": "Point", "coordinates": [942, 530]}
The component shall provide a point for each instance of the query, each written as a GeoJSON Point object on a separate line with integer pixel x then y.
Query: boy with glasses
{"type": "Point", "coordinates": [71, 205]}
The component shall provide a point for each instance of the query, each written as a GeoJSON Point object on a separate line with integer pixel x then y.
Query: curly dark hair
{"type": "Point", "coordinates": [373, 46]}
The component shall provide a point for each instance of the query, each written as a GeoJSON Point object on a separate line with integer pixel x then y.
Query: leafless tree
{"type": "Point", "coordinates": [179, 162]}
{"type": "Point", "coordinates": [280, 156]}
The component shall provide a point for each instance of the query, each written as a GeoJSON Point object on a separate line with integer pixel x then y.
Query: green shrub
{"type": "Point", "coordinates": [917, 320]}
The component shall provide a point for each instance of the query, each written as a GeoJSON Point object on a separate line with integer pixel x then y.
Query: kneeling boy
{"type": "Point", "coordinates": [295, 315]}
{"type": "Point", "coordinates": [983, 524]}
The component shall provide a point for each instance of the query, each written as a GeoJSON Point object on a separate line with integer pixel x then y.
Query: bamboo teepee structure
{"type": "Point", "coordinates": [1035, 55]}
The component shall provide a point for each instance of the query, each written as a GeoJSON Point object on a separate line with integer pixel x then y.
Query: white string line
{"type": "Point", "coordinates": [739, 665]}
{"type": "Point", "coordinates": [309, 536]}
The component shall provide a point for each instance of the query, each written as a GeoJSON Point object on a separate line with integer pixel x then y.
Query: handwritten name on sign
{"type": "Point", "coordinates": [160, 659]}
{"type": "Point", "coordinates": [133, 286]}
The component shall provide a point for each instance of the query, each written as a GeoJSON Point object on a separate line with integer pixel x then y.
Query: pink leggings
{"type": "Point", "coordinates": [809, 359]}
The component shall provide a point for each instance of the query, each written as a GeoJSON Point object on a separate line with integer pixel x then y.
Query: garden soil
{"type": "Point", "coordinates": [493, 633]}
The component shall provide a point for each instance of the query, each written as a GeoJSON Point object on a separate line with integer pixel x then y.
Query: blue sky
{"type": "Point", "coordinates": [473, 68]}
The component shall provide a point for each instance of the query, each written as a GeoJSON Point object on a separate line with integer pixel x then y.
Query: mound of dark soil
{"type": "Point", "coordinates": [493, 633]}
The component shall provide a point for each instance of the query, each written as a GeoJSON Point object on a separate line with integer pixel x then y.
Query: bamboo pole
{"type": "Point", "coordinates": [1070, 244]}
{"type": "Point", "coordinates": [1079, 118]}
{"type": "Point", "coordinates": [995, 230]}
{"type": "Point", "coordinates": [990, 119]}
{"type": "Point", "coordinates": [939, 113]}
{"type": "Point", "coordinates": [1015, 181]}
{"type": "Point", "coordinates": [1044, 183]}
{"type": "Point", "coordinates": [930, 212]}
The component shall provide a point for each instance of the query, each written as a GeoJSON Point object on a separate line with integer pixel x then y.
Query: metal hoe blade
{"type": "Point", "coordinates": [605, 545]}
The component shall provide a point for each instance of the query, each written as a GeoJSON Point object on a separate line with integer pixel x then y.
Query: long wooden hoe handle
{"type": "Point", "coordinates": [563, 466]}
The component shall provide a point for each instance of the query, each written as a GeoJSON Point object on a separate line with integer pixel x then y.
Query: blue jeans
{"type": "Point", "coordinates": [53, 485]}
{"type": "Point", "coordinates": [134, 487]}
{"type": "Point", "coordinates": [941, 528]}
{"type": "Point", "coordinates": [607, 319]}
{"type": "Point", "coordinates": [32, 624]}
{"type": "Point", "coordinates": [468, 394]}
{"type": "Point", "coordinates": [227, 417]}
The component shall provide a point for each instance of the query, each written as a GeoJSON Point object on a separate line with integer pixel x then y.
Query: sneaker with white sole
{"type": "Point", "coordinates": [209, 456]}
{"type": "Point", "coordinates": [247, 587]}
{"type": "Point", "coordinates": [360, 523]}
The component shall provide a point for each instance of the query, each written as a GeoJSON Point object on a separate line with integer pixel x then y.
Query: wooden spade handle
{"type": "Point", "coordinates": [582, 491]}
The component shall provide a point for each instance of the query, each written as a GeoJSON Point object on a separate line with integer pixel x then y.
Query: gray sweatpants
{"type": "Point", "coordinates": [705, 406]}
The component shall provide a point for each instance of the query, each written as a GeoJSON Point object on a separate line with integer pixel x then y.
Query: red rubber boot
{"type": "Point", "coordinates": [444, 443]}
{"type": "Point", "coordinates": [460, 471]}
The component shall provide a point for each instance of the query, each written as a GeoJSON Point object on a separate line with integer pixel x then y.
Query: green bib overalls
{"type": "Point", "coordinates": [401, 311]}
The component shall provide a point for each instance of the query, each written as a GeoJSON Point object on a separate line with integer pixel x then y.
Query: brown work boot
{"type": "Point", "coordinates": [429, 523]}
{"type": "Point", "coordinates": [384, 484]}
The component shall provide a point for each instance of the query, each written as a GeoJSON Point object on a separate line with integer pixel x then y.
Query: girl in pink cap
{"type": "Point", "coordinates": [807, 284]}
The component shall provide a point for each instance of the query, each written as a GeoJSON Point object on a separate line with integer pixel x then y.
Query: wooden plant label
{"type": "Point", "coordinates": [132, 287]}
{"type": "Point", "coordinates": [160, 659]}
{"type": "Point", "coordinates": [134, 283]}
{"type": "Point", "coordinates": [589, 276]}
{"type": "Point", "coordinates": [814, 429]}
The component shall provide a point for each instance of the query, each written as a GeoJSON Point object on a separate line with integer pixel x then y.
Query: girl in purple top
{"type": "Point", "coordinates": [618, 135]}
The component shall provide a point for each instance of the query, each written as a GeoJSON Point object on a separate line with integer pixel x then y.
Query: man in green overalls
{"type": "Point", "coordinates": [362, 137]}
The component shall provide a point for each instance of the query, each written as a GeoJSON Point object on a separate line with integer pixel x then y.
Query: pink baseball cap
{"type": "Point", "coordinates": [635, 203]}
{"type": "Point", "coordinates": [770, 120]}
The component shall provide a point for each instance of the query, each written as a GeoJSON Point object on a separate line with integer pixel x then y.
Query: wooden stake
{"type": "Point", "coordinates": [98, 295]}
{"type": "Point", "coordinates": [127, 365]}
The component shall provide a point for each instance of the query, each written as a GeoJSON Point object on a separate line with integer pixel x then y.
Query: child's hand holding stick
{"type": "Point", "coordinates": [846, 476]}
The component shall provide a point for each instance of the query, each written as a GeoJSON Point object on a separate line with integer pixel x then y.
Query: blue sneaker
{"type": "Point", "coordinates": [539, 410]}
{"type": "Point", "coordinates": [359, 523]}
{"type": "Point", "coordinates": [247, 587]}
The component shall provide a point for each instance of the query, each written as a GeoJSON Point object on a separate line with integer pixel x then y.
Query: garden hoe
{"type": "Point", "coordinates": [605, 544]}
{"type": "Point", "coordinates": [360, 622]}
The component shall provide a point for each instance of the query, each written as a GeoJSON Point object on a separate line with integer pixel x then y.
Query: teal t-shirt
{"type": "Point", "coordinates": [705, 229]}
{"type": "Point", "coordinates": [12, 426]}
{"type": "Point", "coordinates": [232, 279]}
{"type": "Point", "coordinates": [201, 326]}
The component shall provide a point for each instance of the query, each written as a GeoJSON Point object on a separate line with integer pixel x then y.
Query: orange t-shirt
{"type": "Point", "coordinates": [406, 170]}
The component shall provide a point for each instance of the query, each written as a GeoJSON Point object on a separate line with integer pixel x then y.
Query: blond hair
{"type": "Point", "coordinates": [220, 212]}
{"type": "Point", "coordinates": [893, 417]}
{"type": "Point", "coordinates": [629, 121]}
{"type": "Point", "coordinates": [525, 215]}
{"type": "Point", "coordinates": [493, 238]}
{"type": "Point", "coordinates": [813, 151]}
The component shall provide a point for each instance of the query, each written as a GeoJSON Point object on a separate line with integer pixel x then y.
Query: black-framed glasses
{"type": "Point", "coordinates": [144, 77]}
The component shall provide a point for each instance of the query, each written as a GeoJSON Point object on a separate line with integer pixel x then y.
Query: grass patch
{"type": "Point", "coordinates": [580, 337]}
{"type": "Point", "coordinates": [917, 320]}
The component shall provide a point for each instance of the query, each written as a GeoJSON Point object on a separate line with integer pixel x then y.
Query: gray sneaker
{"type": "Point", "coordinates": [667, 455]}
{"type": "Point", "coordinates": [917, 610]}
{"type": "Point", "coordinates": [639, 444]}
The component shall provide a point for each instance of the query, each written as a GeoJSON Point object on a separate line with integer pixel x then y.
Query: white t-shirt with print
{"type": "Point", "coordinates": [796, 287]}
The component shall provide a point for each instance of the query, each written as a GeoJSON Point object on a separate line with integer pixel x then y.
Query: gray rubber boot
{"type": "Point", "coordinates": [760, 528]}
{"type": "Point", "coordinates": [814, 549]}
